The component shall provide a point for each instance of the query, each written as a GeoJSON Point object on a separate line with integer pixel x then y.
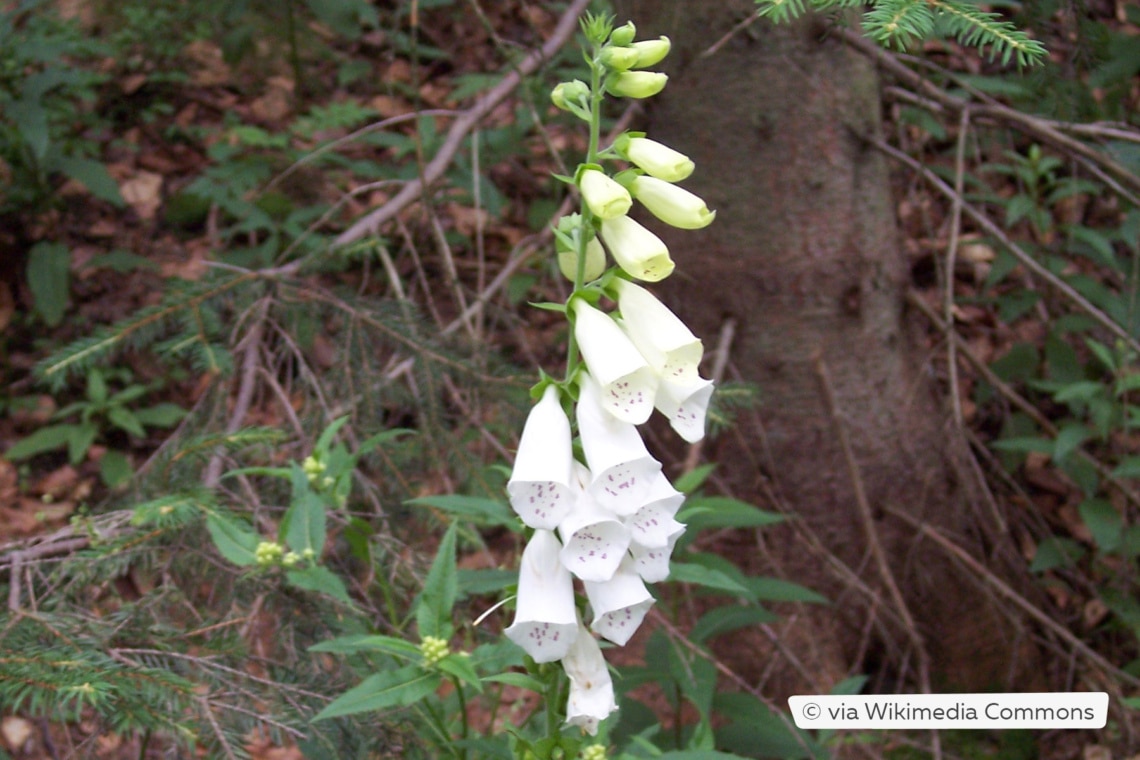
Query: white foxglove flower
{"type": "Point", "coordinates": [655, 159]}
{"type": "Point", "coordinates": [619, 604]}
{"type": "Point", "coordinates": [540, 487]}
{"type": "Point", "coordinates": [594, 540]}
{"type": "Point", "coordinates": [660, 336]}
{"type": "Point", "coordinates": [654, 522]}
{"type": "Point", "coordinates": [673, 205]}
{"type": "Point", "coordinates": [621, 466]}
{"type": "Point", "coordinates": [636, 84]}
{"type": "Point", "coordinates": [652, 562]}
{"type": "Point", "coordinates": [603, 195]}
{"type": "Point", "coordinates": [591, 689]}
{"type": "Point", "coordinates": [627, 381]}
{"type": "Point", "coordinates": [546, 622]}
{"type": "Point", "coordinates": [641, 254]}
{"type": "Point", "coordinates": [686, 406]}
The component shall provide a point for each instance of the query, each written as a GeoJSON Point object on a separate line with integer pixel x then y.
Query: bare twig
{"type": "Point", "coordinates": [951, 257]}
{"type": "Point", "coordinates": [371, 222]}
{"type": "Point", "coordinates": [1018, 252]}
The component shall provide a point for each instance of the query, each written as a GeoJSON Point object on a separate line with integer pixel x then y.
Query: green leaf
{"type": "Point", "coordinates": [1082, 391]}
{"type": "Point", "coordinates": [235, 542]}
{"type": "Point", "coordinates": [1129, 468]}
{"type": "Point", "coordinates": [114, 468]}
{"type": "Point", "coordinates": [851, 685]}
{"type": "Point", "coordinates": [321, 580]}
{"type": "Point", "coordinates": [45, 439]}
{"type": "Point", "coordinates": [729, 618]}
{"type": "Point", "coordinates": [49, 279]}
{"type": "Point", "coordinates": [441, 587]}
{"type": "Point", "coordinates": [368, 642]}
{"type": "Point", "coordinates": [304, 524]}
{"type": "Point", "coordinates": [92, 175]}
{"type": "Point", "coordinates": [328, 434]}
{"type": "Point", "coordinates": [1055, 552]}
{"type": "Point", "coordinates": [124, 419]}
{"type": "Point", "coordinates": [689, 482]}
{"type": "Point", "coordinates": [459, 665]}
{"type": "Point", "coordinates": [160, 415]}
{"type": "Point", "coordinates": [1025, 444]}
{"type": "Point", "coordinates": [394, 688]}
{"type": "Point", "coordinates": [82, 436]}
{"type": "Point", "coordinates": [96, 387]}
{"type": "Point", "coordinates": [776, 590]}
{"type": "Point", "coordinates": [1068, 440]}
{"type": "Point", "coordinates": [703, 512]}
{"type": "Point", "coordinates": [475, 509]}
{"type": "Point", "coordinates": [1104, 522]}
{"type": "Point", "coordinates": [699, 575]}
{"type": "Point", "coordinates": [521, 680]}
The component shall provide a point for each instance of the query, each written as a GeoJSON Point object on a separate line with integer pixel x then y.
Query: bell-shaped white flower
{"type": "Point", "coordinates": [660, 336]}
{"type": "Point", "coordinates": [619, 604]}
{"type": "Point", "coordinates": [641, 254]}
{"type": "Point", "coordinates": [686, 406]}
{"type": "Point", "coordinates": [591, 689]}
{"type": "Point", "coordinates": [673, 205]}
{"type": "Point", "coordinates": [652, 562]}
{"type": "Point", "coordinates": [652, 524]}
{"type": "Point", "coordinates": [636, 84]}
{"type": "Point", "coordinates": [603, 195]}
{"type": "Point", "coordinates": [540, 487]}
{"type": "Point", "coordinates": [622, 468]}
{"type": "Point", "coordinates": [627, 381]}
{"type": "Point", "coordinates": [594, 540]}
{"type": "Point", "coordinates": [654, 158]}
{"type": "Point", "coordinates": [546, 622]}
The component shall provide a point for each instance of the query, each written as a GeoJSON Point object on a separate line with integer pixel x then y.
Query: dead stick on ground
{"type": "Point", "coordinates": [371, 222]}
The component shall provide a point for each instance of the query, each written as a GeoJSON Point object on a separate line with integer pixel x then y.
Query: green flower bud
{"type": "Point", "coordinates": [619, 58]}
{"type": "Point", "coordinates": [595, 261]}
{"type": "Point", "coordinates": [291, 559]}
{"type": "Point", "coordinates": [566, 93]}
{"type": "Point", "coordinates": [636, 84]}
{"type": "Point", "coordinates": [593, 752]}
{"type": "Point", "coordinates": [650, 52]}
{"type": "Point", "coordinates": [605, 197]}
{"type": "Point", "coordinates": [268, 553]}
{"type": "Point", "coordinates": [433, 649]}
{"type": "Point", "coordinates": [654, 159]}
{"type": "Point", "coordinates": [673, 205]}
{"type": "Point", "coordinates": [623, 35]}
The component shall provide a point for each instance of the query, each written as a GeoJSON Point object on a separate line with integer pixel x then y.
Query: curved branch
{"type": "Point", "coordinates": [372, 221]}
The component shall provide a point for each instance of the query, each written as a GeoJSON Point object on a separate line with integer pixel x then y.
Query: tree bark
{"type": "Point", "coordinates": [804, 257]}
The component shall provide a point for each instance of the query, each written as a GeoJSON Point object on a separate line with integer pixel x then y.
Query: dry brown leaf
{"type": "Point", "coordinates": [211, 69]}
{"type": "Point", "coordinates": [143, 193]}
{"type": "Point", "coordinates": [276, 103]}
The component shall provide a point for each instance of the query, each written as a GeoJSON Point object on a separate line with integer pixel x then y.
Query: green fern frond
{"type": "Point", "coordinates": [780, 11]}
{"type": "Point", "coordinates": [896, 23]}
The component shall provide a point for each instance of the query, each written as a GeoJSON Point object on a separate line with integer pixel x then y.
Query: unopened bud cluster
{"type": "Point", "coordinates": [608, 519]}
{"type": "Point", "coordinates": [433, 649]}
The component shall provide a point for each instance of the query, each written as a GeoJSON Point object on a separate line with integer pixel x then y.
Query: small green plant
{"type": "Point", "coordinates": [45, 94]}
{"type": "Point", "coordinates": [93, 419]}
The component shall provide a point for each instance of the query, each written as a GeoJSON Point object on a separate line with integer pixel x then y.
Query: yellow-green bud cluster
{"type": "Point", "coordinates": [313, 468]}
{"type": "Point", "coordinates": [433, 649]}
{"type": "Point", "coordinates": [268, 553]}
{"type": "Point", "coordinates": [593, 752]}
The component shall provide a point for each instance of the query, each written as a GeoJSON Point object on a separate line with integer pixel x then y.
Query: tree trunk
{"type": "Point", "coordinates": [804, 258]}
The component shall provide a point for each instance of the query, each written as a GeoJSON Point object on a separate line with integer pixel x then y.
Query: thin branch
{"type": "Point", "coordinates": [372, 221]}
